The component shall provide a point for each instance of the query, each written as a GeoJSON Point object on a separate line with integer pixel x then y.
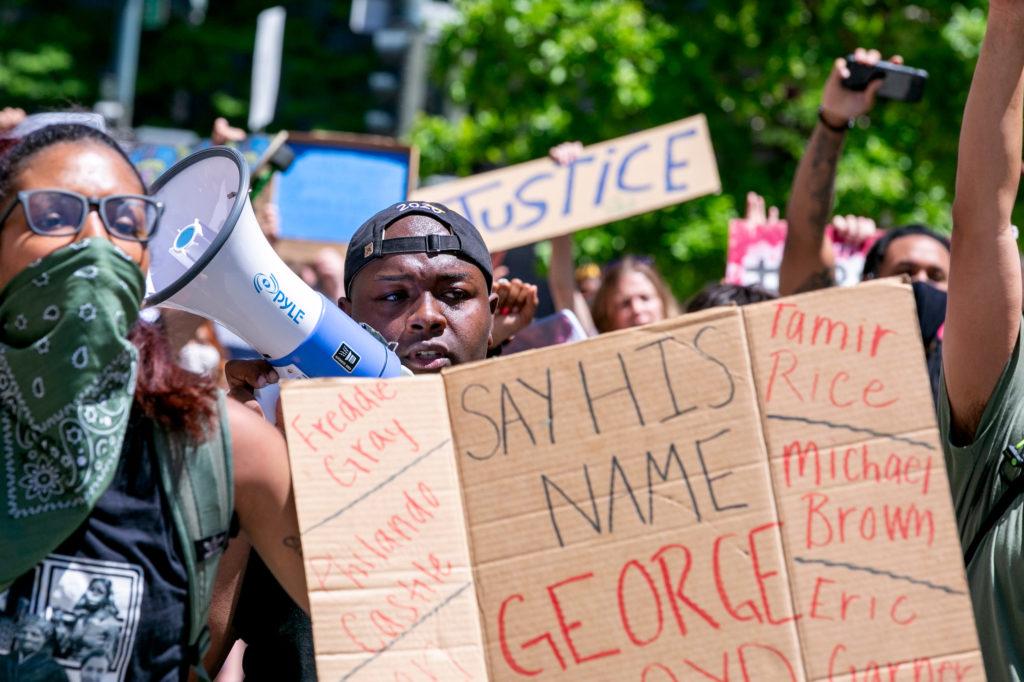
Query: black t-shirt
{"type": "Point", "coordinates": [116, 591]}
{"type": "Point", "coordinates": [279, 634]}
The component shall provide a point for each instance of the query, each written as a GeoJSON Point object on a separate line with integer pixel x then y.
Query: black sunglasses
{"type": "Point", "coordinates": [60, 213]}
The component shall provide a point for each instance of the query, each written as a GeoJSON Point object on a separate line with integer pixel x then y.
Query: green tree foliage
{"type": "Point", "coordinates": [53, 55]}
{"type": "Point", "coordinates": [532, 73]}
{"type": "Point", "coordinates": [323, 72]}
{"type": "Point", "coordinates": [38, 66]}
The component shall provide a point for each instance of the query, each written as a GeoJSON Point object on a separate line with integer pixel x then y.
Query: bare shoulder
{"type": "Point", "coordinates": [255, 442]}
{"type": "Point", "coordinates": [246, 425]}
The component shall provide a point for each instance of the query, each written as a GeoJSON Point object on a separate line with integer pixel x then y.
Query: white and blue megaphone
{"type": "Point", "coordinates": [209, 257]}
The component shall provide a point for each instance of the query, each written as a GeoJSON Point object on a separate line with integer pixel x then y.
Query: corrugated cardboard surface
{"type": "Point", "coordinates": [383, 536]}
{"type": "Point", "coordinates": [621, 464]}
{"type": "Point", "coordinates": [636, 507]}
{"type": "Point", "coordinates": [869, 530]}
{"type": "Point", "coordinates": [615, 179]}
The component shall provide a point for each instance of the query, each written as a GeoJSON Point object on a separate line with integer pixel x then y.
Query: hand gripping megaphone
{"type": "Point", "coordinates": [209, 257]}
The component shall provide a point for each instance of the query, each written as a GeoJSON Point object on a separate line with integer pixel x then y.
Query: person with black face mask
{"type": "Point", "coordinates": [931, 317]}
{"type": "Point", "coordinates": [921, 254]}
{"type": "Point", "coordinates": [808, 261]}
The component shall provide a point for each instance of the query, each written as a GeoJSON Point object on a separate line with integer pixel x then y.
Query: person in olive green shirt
{"type": "Point", "coordinates": [978, 477]}
{"type": "Point", "coordinates": [982, 405]}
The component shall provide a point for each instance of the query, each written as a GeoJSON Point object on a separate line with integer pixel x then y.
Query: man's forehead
{"type": "Point", "coordinates": [915, 246]}
{"type": "Point", "coordinates": [420, 266]}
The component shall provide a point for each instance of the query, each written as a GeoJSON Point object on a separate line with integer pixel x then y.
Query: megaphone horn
{"type": "Point", "coordinates": [210, 257]}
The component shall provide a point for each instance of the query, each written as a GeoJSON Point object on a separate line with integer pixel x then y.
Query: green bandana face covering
{"type": "Point", "coordinates": [67, 380]}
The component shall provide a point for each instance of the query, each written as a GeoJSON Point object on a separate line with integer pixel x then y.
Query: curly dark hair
{"type": "Point", "coordinates": [165, 392]}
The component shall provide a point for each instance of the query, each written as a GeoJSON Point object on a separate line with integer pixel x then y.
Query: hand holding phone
{"type": "Point", "coordinates": [900, 83]}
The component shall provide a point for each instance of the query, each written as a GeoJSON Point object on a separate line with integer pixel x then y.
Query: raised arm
{"type": "Point", "coordinates": [984, 307]}
{"type": "Point", "coordinates": [264, 499]}
{"type": "Point", "coordinates": [562, 281]}
{"type": "Point", "coordinates": [561, 270]}
{"type": "Point", "coordinates": [807, 260]}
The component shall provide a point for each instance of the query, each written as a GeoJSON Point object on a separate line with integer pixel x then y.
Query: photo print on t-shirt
{"type": "Point", "coordinates": [93, 607]}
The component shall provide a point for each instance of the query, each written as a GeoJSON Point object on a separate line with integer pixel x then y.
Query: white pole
{"type": "Point", "coordinates": [266, 67]}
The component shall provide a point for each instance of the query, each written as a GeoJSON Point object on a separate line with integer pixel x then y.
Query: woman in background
{"type": "Point", "coordinates": [631, 292]}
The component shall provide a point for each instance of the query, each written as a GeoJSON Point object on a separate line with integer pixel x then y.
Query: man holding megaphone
{"type": "Point", "coordinates": [426, 288]}
{"type": "Point", "coordinates": [420, 274]}
{"type": "Point", "coordinates": [213, 260]}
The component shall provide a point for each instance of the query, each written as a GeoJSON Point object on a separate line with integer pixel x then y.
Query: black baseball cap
{"type": "Point", "coordinates": [368, 242]}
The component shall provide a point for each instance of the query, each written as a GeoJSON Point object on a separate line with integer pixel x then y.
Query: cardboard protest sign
{"type": "Point", "coordinates": [860, 485]}
{"type": "Point", "coordinates": [755, 255]}
{"type": "Point", "coordinates": [616, 179]}
{"type": "Point", "coordinates": [387, 566]}
{"type": "Point", "coordinates": [634, 489]}
{"type": "Point", "coordinates": [753, 494]}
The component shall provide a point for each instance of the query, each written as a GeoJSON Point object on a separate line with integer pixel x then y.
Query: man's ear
{"type": "Point", "coordinates": [492, 301]}
{"type": "Point", "coordinates": [346, 305]}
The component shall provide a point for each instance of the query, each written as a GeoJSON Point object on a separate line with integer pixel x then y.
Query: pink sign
{"type": "Point", "coordinates": [755, 254]}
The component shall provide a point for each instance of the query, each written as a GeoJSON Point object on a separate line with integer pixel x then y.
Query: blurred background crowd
{"type": "Point", "coordinates": [497, 82]}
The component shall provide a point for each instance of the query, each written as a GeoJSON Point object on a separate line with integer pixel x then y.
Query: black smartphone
{"type": "Point", "coordinates": [901, 83]}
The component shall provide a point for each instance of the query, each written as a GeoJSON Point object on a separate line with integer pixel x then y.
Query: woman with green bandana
{"type": "Point", "coordinates": [91, 410]}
